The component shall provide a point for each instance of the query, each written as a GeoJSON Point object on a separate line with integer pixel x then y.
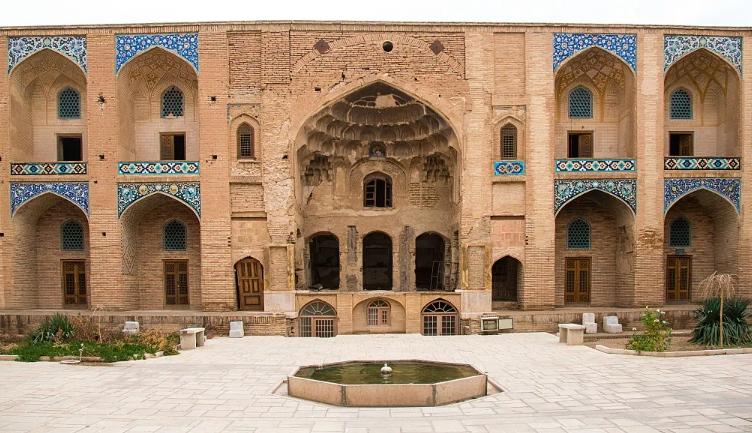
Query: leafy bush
{"type": "Point", "coordinates": [109, 352]}
{"type": "Point", "coordinates": [159, 340]}
{"type": "Point", "coordinates": [656, 336]}
{"type": "Point", "coordinates": [736, 329]}
{"type": "Point", "coordinates": [55, 328]}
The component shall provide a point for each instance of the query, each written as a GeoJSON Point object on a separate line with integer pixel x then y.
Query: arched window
{"type": "Point", "coordinates": [377, 150]}
{"type": "Point", "coordinates": [508, 142]}
{"type": "Point", "coordinates": [578, 235]}
{"type": "Point", "coordinates": [317, 319]}
{"type": "Point", "coordinates": [679, 234]}
{"type": "Point", "coordinates": [580, 103]}
{"type": "Point", "coordinates": [175, 236]}
{"type": "Point", "coordinates": [681, 104]}
{"type": "Point", "coordinates": [72, 236]}
{"type": "Point", "coordinates": [377, 191]}
{"type": "Point", "coordinates": [69, 104]}
{"type": "Point", "coordinates": [246, 143]}
{"type": "Point", "coordinates": [439, 318]}
{"type": "Point", "coordinates": [378, 313]}
{"type": "Point", "coordinates": [172, 102]}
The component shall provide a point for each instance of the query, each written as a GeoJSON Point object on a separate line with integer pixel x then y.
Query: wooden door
{"type": "Point", "coordinates": [249, 277]}
{"type": "Point", "coordinates": [176, 282]}
{"type": "Point", "coordinates": [678, 278]}
{"type": "Point", "coordinates": [577, 290]}
{"type": "Point", "coordinates": [74, 282]}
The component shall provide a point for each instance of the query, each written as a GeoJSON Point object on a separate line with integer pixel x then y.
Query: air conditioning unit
{"type": "Point", "coordinates": [506, 323]}
{"type": "Point", "coordinates": [489, 324]}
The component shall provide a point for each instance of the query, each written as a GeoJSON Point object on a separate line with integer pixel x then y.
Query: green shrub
{"type": "Point", "coordinates": [55, 328]}
{"type": "Point", "coordinates": [656, 336]}
{"type": "Point", "coordinates": [736, 329]}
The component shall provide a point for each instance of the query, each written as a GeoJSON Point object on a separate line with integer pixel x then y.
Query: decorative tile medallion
{"type": "Point", "coordinates": [622, 45]}
{"type": "Point", "coordinates": [47, 168]}
{"type": "Point", "coordinates": [727, 187]}
{"type": "Point", "coordinates": [595, 165]}
{"type": "Point", "coordinates": [677, 46]}
{"type": "Point", "coordinates": [623, 189]}
{"type": "Point", "coordinates": [184, 45]}
{"type": "Point", "coordinates": [21, 47]}
{"type": "Point", "coordinates": [76, 192]}
{"type": "Point", "coordinates": [187, 192]}
{"type": "Point", "coordinates": [509, 168]}
{"type": "Point", "coordinates": [698, 163]}
{"type": "Point", "coordinates": [158, 167]}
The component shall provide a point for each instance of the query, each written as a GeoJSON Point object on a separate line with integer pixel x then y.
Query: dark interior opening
{"type": "Point", "coordinates": [680, 144]}
{"type": "Point", "coordinates": [580, 145]}
{"type": "Point", "coordinates": [429, 262]}
{"type": "Point", "coordinates": [69, 148]}
{"type": "Point", "coordinates": [324, 256]}
{"type": "Point", "coordinates": [377, 262]}
{"type": "Point", "coordinates": [504, 279]}
{"type": "Point", "coordinates": [172, 147]}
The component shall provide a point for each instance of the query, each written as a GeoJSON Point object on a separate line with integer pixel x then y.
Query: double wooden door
{"type": "Point", "coordinates": [249, 277]}
{"type": "Point", "coordinates": [577, 289]}
{"type": "Point", "coordinates": [678, 278]}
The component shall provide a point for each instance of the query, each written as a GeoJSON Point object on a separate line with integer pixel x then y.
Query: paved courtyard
{"type": "Point", "coordinates": [229, 386]}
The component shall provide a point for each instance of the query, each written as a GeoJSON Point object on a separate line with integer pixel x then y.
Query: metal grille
{"type": "Point", "coordinates": [580, 103]}
{"type": "Point", "coordinates": [448, 325]}
{"type": "Point", "coordinates": [175, 237]}
{"type": "Point", "coordinates": [72, 236]}
{"type": "Point", "coordinates": [509, 141]}
{"type": "Point", "coordinates": [305, 326]}
{"type": "Point", "coordinates": [69, 104]}
{"type": "Point", "coordinates": [324, 327]}
{"type": "Point", "coordinates": [172, 102]}
{"type": "Point", "coordinates": [245, 141]}
{"type": "Point", "coordinates": [679, 233]}
{"type": "Point", "coordinates": [681, 104]}
{"type": "Point", "coordinates": [578, 234]}
{"type": "Point", "coordinates": [378, 313]}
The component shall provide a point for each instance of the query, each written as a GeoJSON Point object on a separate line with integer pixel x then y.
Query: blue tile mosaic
{"type": "Point", "coordinates": [184, 45]}
{"type": "Point", "coordinates": [158, 167]}
{"type": "Point", "coordinates": [509, 168]}
{"type": "Point", "coordinates": [187, 192]}
{"type": "Point", "coordinates": [21, 47]}
{"type": "Point", "coordinates": [596, 165]}
{"type": "Point", "coordinates": [623, 189]}
{"type": "Point", "coordinates": [622, 45]}
{"type": "Point", "coordinates": [76, 192]}
{"type": "Point", "coordinates": [677, 46]}
{"type": "Point", "coordinates": [727, 187]}
{"type": "Point", "coordinates": [701, 163]}
{"type": "Point", "coordinates": [47, 168]}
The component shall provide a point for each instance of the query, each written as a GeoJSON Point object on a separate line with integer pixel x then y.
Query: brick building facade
{"type": "Point", "coordinates": [371, 177]}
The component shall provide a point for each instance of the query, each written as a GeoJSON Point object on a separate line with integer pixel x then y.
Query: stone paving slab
{"type": "Point", "coordinates": [228, 386]}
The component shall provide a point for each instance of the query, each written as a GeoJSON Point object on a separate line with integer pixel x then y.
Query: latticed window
{"type": "Point", "coordinates": [246, 148]}
{"type": "Point", "coordinates": [316, 319]}
{"type": "Point", "coordinates": [681, 104]}
{"type": "Point", "coordinates": [578, 234]}
{"type": "Point", "coordinates": [439, 318]}
{"type": "Point", "coordinates": [175, 236]}
{"type": "Point", "coordinates": [377, 192]}
{"type": "Point", "coordinates": [580, 103]}
{"type": "Point", "coordinates": [509, 141]}
{"type": "Point", "coordinates": [378, 313]}
{"type": "Point", "coordinates": [679, 233]}
{"type": "Point", "coordinates": [69, 104]}
{"type": "Point", "coordinates": [72, 236]}
{"type": "Point", "coordinates": [172, 102]}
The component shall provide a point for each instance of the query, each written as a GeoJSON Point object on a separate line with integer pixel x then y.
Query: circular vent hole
{"type": "Point", "coordinates": [387, 46]}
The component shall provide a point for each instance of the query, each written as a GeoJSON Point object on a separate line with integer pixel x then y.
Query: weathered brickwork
{"type": "Point", "coordinates": [354, 162]}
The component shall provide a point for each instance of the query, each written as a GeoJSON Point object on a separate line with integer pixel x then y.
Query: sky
{"type": "Point", "coordinates": [671, 12]}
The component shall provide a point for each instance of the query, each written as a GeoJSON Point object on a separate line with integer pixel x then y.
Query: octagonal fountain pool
{"type": "Point", "coordinates": [388, 383]}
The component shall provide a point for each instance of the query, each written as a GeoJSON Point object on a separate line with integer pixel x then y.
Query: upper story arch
{"type": "Point", "coordinates": [605, 129]}
{"type": "Point", "coordinates": [37, 130]}
{"type": "Point", "coordinates": [147, 132]}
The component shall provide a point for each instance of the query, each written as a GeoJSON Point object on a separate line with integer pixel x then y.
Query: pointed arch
{"type": "Point", "coordinates": [186, 193]}
{"type": "Point", "coordinates": [729, 189]}
{"type": "Point", "coordinates": [23, 193]}
{"type": "Point", "coordinates": [506, 276]}
{"type": "Point", "coordinates": [249, 284]}
{"type": "Point", "coordinates": [625, 190]}
{"type": "Point", "coordinates": [22, 48]}
{"type": "Point", "coordinates": [182, 45]}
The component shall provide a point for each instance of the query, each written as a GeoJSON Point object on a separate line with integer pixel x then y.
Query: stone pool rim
{"type": "Point", "coordinates": [389, 395]}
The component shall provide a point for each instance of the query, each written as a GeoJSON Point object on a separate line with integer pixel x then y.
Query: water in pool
{"type": "Point", "coordinates": [355, 373]}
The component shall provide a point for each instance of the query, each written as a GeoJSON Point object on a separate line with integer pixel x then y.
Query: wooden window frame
{"type": "Point", "coordinates": [163, 135]}
{"type": "Point", "coordinates": [238, 147]}
{"type": "Point", "coordinates": [515, 136]}
{"type": "Point", "coordinates": [177, 296]}
{"type": "Point", "coordinates": [578, 133]}
{"type": "Point", "coordinates": [382, 313]}
{"type": "Point", "coordinates": [76, 275]}
{"type": "Point", "coordinates": [370, 197]}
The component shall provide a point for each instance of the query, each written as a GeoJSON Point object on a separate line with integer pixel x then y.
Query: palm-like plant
{"type": "Point", "coordinates": [722, 286]}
